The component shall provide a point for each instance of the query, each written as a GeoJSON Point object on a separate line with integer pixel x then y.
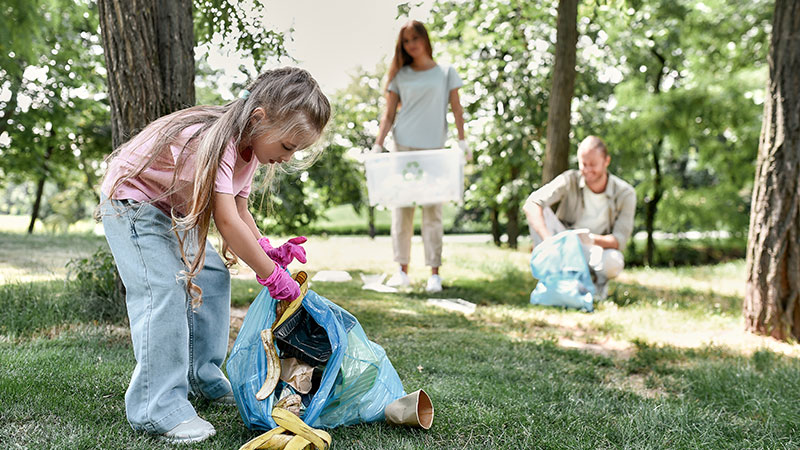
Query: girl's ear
{"type": "Point", "coordinates": [258, 114]}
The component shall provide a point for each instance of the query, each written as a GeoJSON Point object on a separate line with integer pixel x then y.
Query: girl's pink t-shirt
{"type": "Point", "coordinates": [234, 176]}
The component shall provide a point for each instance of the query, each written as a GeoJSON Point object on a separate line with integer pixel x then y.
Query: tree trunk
{"type": "Point", "coordinates": [772, 291]}
{"type": "Point", "coordinates": [149, 52]}
{"type": "Point", "coordinates": [37, 202]}
{"type": "Point", "coordinates": [651, 202]}
{"type": "Point", "coordinates": [556, 159]}
{"type": "Point", "coordinates": [371, 221]}
{"type": "Point", "coordinates": [651, 205]}
{"type": "Point", "coordinates": [512, 228]}
{"type": "Point", "coordinates": [494, 215]}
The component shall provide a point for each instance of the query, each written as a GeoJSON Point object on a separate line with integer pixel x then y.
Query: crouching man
{"type": "Point", "coordinates": [588, 198]}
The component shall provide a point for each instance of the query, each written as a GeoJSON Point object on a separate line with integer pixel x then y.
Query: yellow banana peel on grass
{"type": "Point", "coordinates": [290, 434]}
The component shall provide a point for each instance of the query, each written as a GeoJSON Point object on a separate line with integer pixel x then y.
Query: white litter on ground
{"type": "Point", "coordinates": [453, 304]}
{"type": "Point", "coordinates": [375, 283]}
{"type": "Point", "coordinates": [332, 276]}
{"type": "Point", "coordinates": [379, 288]}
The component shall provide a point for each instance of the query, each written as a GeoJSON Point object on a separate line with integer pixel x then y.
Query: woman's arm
{"type": "Point", "coordinates": [239, 235]}
{"type": "Point", "coordinates": [458, 112]}
{"type": "Point", "coordinates": [244, 214]}
{"type": "Point", "coordinates": [392, 99]}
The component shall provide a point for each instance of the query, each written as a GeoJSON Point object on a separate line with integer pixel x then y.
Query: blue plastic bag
{"type": "Point", "coordinates": [559, 264]}
{"type": "Point", "coordinates": [357, 383]}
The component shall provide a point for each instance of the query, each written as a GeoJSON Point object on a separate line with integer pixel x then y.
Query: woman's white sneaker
{"type": "Point", "coordinates": [434, 284]}
{"type": "Point", "coordinates": [400, 279]}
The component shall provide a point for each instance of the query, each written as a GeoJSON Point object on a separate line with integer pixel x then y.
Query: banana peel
{"type": "Point", "coordinates": [262, 440]}
{"type": "Point", "coordinates": [283, 310]}
{"type": "Point", "coordinates": [273, 366]}
{"type": "Point", "coordinates": [318, 438]}
{"type": "Point", "coordinates": [291, 403]}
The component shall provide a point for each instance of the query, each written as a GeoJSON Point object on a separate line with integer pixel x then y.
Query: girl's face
{"type": "Point", "coordinates": [273, 152]}
{"type": "Point", "coordinates": [413, 43]}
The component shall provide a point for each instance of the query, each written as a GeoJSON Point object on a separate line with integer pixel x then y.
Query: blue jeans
{"type": "Point", "coordinates": [178, 351]}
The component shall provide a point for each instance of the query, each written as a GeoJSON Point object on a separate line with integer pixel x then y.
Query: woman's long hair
{"type": "Point", "coordinates": [295, 108]}
{"type": "Point", "coordinates": [401, 57]}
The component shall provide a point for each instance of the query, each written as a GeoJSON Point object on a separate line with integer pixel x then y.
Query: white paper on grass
{"type": "Point", "coordinates": [375, 283]}
{"type": "Point", "coordinates": [332, 276]}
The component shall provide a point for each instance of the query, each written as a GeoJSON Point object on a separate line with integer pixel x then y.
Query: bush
{"type": "Point", "coordinates": [97, 279]}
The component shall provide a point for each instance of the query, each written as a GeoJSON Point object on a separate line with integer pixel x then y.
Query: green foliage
{"type": "Point", "coordinates": [337, 176]}
{"type": "Point", "coordinates": [498, 47]}
{"type": "Point", "coordinates": [97, 279]}
{"type": "Point", "coordinates": [239, 27]}
{"type": "Point", "coordinates": [54, 118]}
{"type": "Point", "coordinates": [690, 96]}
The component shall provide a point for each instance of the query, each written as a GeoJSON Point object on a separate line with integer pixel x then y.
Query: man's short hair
{"type": "Point", "coordinates": [592, 143]}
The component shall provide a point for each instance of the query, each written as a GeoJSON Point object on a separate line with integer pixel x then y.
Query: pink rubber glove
{"type": "Point", "coordinates": [287, 252]}
{"type": "Point", "coordinates": [280, 285]}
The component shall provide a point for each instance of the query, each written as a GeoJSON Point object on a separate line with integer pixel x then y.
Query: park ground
{"type": "Point", "coordinates": [663, 363]}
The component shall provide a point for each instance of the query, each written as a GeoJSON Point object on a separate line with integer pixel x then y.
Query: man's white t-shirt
{"type": "Point", "coordinates": [595, 212]}
{"type": "Point", "coordinates": [424, 95]}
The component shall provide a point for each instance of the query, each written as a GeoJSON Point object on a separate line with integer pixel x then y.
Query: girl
{"type": "Point", "coordinates": [160, 193]}
{"type": "Point", "coordinates": [424, 88]}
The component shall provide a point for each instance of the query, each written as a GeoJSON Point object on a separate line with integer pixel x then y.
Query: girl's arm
{"type": "Point", "coordinates": [458, 112]}
{"type": "Point", "coordinates": [239, 235]}
{"type": "Point", "coordinates": [392, 99]}
{"type": "Point", "coordinates": [244, 214]}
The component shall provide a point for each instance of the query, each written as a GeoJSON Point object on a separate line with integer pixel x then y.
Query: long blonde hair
{"type": "Point", "coordinates": [295, 108]}
{"type": "Point", "coordinates": [401, 57]}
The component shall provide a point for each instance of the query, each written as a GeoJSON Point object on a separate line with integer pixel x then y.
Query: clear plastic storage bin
{"type": "Point", "coordinates": [421, 177]}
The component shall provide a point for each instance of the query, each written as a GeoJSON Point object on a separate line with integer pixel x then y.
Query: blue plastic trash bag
{"type": "Point", "coordinates": [357, 383]}
{"type": "Point", "coordinates": [559, 264]}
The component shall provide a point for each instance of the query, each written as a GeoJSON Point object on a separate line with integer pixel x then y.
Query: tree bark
{"type": "Point", "coordinates": [651, 201]}
{"type": "Point", "coordinates": [149, 53]}
{"type": "Point", "coordinates": [37, 202]}
{"type": "Point", "coordinates": [556, 159]}
{"type": "Point", "coordinates": [494, 217]}
{"type": "Point", "coordinates": [772, 291]}
{"type": "Point", "coordinates": [512, 227]}
{"type": "Point", "coordinates": [371, 221]}
{"type": "Point", "coordinates": [651, 204]}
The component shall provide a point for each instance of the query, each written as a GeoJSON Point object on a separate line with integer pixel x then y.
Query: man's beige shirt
{"type": "Point", "coordinates": [567, 190]}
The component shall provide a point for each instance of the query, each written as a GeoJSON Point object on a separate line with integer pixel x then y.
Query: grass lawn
{"type": "Point", "coordinates": [662, 364]}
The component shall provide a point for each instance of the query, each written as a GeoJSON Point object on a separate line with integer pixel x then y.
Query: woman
{"type": "Point", "coordinates": [424, 89]}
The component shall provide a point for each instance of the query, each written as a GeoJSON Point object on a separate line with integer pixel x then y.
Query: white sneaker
{"type": "Point", "coordinates": [190, 431]}
{"type": "Point", "coordinates": [434, 284]}
{"type": "Point", "coordinates": [400, 279]}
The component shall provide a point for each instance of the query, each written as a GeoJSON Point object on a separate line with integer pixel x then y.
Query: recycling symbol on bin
{"type": "Point", "coordinates": [412, 171]}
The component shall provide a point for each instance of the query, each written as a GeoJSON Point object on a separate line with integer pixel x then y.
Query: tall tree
{"type": "Point", "coordinates": [682, 127]}
{"type": "Point", "coordinates": [50, 65]}
{"type": "Point", "coordinates": [772, 293]}
{"type": "Point", "coordinates": [149, 52]}
{"type": "Point", "coordinates": [556, 158]}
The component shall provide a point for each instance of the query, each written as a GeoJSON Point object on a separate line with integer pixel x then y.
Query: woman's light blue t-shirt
{"type": "Point", "coordinates": [424, 95]}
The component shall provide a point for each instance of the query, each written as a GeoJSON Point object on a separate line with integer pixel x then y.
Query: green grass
{"type": "Point", "coordinates": [650, 371]}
